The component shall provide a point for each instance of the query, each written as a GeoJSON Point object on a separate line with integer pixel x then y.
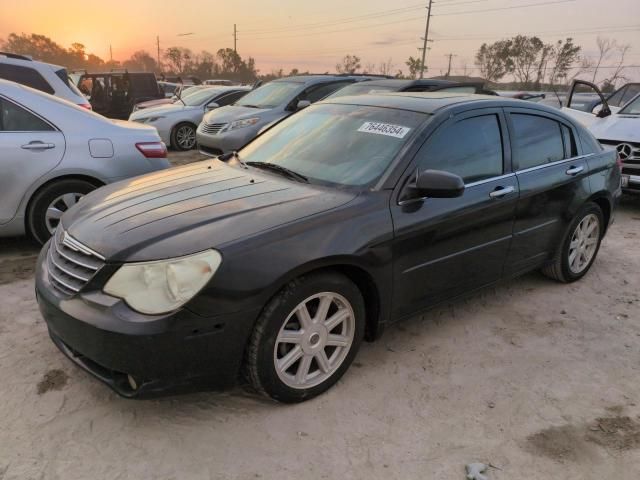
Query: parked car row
{"type": "Point", "coordinates": [177, 122]}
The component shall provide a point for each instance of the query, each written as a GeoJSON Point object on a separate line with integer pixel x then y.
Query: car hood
{"type": "Point", "coordinates": [233, 112]}
{"type": "Point", "coordinates": [170, 109]}
{"type": "Point", "coordinates": [623, 128]}
{"type": "Point", "coordinates": [189, 209]}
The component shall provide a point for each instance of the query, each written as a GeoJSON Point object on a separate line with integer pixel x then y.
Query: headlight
{"type": "Point", "coordinates": [149, 119]}
{"type": "Point", "coordinates": [247, 122]}
{"type": "Point", "coordinates": [164, 285]}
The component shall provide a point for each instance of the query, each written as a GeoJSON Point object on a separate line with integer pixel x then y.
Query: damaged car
{"type": "Point", "coordinates": [273, 263]}
{"type": "Point", "coordinates": [616, 128]}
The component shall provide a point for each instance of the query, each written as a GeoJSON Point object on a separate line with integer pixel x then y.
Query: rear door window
{"type": "Point", "coordinates": [318, 92]}
{"type": "Point", "coordinates": [470, 148]}
{"type": "Point", "coordinates": [25, 76]}
{"type": "Point", "coordinates": [14, 118]}
{"type": "Point", "coordinates": [536, 140]}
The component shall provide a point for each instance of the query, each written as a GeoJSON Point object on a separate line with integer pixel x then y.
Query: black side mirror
{"type": "Point", "coordinates": [436, 184]}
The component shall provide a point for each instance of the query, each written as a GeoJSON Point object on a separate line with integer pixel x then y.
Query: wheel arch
{"type": "Point", "coordinates": [606, 205]}
{"type": "Point", "coordinates": [71, 176]}
{"type": "Point", "coordinates": [359, 275]}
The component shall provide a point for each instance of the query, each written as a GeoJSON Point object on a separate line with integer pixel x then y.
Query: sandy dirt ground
{"type": "Point", "coordinates": [537, 378]}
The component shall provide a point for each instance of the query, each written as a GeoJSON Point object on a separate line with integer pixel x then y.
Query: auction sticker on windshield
{"type": "Point", "coordinates": [397, 131]}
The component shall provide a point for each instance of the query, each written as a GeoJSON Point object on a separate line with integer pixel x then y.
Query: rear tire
{"type": "Point", "coordinates": [183, 137]}
{"type": "Point", "coordinates": [306, 337]}
{"type": "Point", "coordinates": [51, 202]}
{"type": "Point", "coordinates": [580, 246]}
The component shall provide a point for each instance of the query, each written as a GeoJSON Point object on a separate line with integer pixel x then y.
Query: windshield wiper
{"type": "Point", "coordinates": [279, 169]}
{"type": "Point", "coordinates": [249, 106]}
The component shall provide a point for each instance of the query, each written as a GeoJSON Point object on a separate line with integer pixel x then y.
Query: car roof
{"type": "Point", "coordinates": [322, 78]}
{"type": "Point", "coordinates": [430, 102]}
{"type": "Point", "coordinates": [400, 83]}
{"type": "Point", "coordinates": [25, 61]}
{"type": "Point", "coordinates": [226, 88]}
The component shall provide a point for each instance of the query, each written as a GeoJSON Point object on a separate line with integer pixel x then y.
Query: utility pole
{"type": "Point", "coordinates": [110, 53]}
{"type": "Point", "coordinates": [426, 39]}
{"type": "Point", "coordinates": [158, 45]}
{"type": "Point", "coordinates": [235, 38]}
{"type": "Point", "coordinates": [451, 55]}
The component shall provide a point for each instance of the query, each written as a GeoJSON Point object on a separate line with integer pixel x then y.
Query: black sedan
{"type": "Point", "coordinates": [274, 263]}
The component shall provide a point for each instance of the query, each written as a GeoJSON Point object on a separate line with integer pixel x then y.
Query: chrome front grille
{"type": "Point", "coordinates": [212, 128]}
{"type": "Point", "coordinates": [71, 265]}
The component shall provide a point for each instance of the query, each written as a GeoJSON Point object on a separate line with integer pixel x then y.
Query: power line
{"type": "Point", "coordinates": [505, 8]}
{"type": "Point", "coordinates": [258, 36]}
{"type": "Point", "coordinates": [588, 31]}
{"type": "Point", "coordinates": [338, 21]}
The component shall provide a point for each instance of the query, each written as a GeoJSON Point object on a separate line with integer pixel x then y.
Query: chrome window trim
{"type": "Point", "coordinates": [487, 180]}
{"type": "Point", "coordinates": [558, 162]}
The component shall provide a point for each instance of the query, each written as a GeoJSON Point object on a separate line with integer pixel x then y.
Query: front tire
{"type": "Point", "coordinates": [183, 137]}
{"type": "Point", "coordinates": [580, 246]}
{"type": "Point", "coordinates": [306, 337]}
{"type": "Point", "coordinates": [48, 205]}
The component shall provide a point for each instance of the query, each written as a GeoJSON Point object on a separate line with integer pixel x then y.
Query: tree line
{"type": "Point", "coordinates": [225, 63]}
{"type": "Point", "coordinates": [528, 60]}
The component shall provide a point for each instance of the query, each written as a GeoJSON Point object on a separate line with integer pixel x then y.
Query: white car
{"type": "Point", "coordinates": [48, 78]}
{"type": "Point", "coordinates": [615, 128]}
{"type": "Point", "coordinates": [177, 123]}
{"type": "Point", "coordinates": [53, 152]}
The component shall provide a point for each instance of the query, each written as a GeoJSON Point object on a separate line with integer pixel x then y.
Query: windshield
{"type": "Point", "coordinates": [270, 95]}
{"type": "Point", "coordinates": [361, 89]}
{"type": "Point", "coordinates": [336, 144]}
{"type": "Point", "coordinates": [199, 97]}
{"type": "Point", "coordinates": [632, 108]}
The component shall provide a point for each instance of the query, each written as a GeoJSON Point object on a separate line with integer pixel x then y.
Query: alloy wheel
{"type": "Point", "coordinates": [186, 137]}
{"type": "Point", "coordinates": [584, 243]}
{"type": "Point", "coordinates": [314, 340]}
{"type": "Point", "coordinates": [56, 208]}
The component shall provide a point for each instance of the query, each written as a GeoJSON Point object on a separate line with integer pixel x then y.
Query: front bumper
{"type": "Point", "coordinates": [225, 142]}
{"type": "Point", "coordinates": [172, 353]}
{"type": "Point", "coordinates": [631, 181]}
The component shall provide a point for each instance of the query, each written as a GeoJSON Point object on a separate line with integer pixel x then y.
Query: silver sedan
{"type": "Point", "coordinates": [53, 152]}
{"type": "Point", "coordinates": [177, 123]}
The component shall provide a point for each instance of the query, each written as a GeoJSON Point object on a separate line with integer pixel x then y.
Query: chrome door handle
{"type": "Point", "coordinates": [574, 170]}
{"type": "Point", "coordinates": [37, 146]}
{"type": "Point", "coordinates": [502, 191]}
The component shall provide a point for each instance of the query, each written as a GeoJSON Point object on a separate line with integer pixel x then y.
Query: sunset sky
{"type": "Point", "coordinates": [315, 35]}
